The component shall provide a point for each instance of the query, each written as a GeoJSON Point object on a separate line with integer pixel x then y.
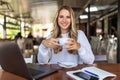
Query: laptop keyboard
{"type": "Point", "coordinates": [34, 72]}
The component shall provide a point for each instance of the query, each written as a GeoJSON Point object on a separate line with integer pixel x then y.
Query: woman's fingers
{"type": "Point", "coordinates": [72, 45]}
{"type": "Point", "coordinates": [52, 43]}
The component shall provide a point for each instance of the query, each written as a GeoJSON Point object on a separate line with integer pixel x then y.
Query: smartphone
{"type": "Point", "coordinates": [85, 76]}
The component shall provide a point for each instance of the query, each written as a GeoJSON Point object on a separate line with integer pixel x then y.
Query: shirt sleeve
{"type": "Point", "coordinates": [43, 54]}
{"type": "Point", "coordinates": [85, 51]}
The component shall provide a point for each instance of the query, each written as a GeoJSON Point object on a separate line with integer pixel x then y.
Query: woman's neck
{"type": "Point", "coordinates": [64, 31]}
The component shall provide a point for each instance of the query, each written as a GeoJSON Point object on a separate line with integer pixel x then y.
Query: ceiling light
{"type": "Point", "coordinates": [83, 16]}
{"type": "Point", "coordinates": [97, 8]}
{"type": "Point", "coordinates": [92, 9]}
{"type": "Point", "coordinates": [86, 16]}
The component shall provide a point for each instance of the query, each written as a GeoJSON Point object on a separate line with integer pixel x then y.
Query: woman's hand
{"type": "Point", "coordinates": [51, 43]}
{"type": "Point", "coordinates": [72, 44]}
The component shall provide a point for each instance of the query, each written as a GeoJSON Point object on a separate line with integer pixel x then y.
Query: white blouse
{"type": "Point", "coordinates": [85, 54]}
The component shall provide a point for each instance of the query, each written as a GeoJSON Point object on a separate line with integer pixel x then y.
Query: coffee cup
{"type": "Point", "coordinates": [62, 41]}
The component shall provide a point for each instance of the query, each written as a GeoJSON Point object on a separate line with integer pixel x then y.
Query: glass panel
{"type": "Point", "coordinates": [1, 19]}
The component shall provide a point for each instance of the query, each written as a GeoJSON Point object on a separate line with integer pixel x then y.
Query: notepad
{"type": "Point", "coordinates": [92, 71]}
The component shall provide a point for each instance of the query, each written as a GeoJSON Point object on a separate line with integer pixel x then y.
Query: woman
{"type": "Point", "coordinates": [76, 50]}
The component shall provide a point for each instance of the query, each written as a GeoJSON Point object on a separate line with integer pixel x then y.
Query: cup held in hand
{"type": "Point", "coordinates": [62, 41]}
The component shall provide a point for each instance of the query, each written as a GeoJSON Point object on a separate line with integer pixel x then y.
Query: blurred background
{"type": "Point", "coordinates": [97, 18]}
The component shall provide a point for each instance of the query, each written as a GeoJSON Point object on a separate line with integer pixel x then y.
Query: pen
{"type": "Point", "coordinates": [91, 73]}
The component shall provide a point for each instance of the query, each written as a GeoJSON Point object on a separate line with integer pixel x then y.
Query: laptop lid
{"type": "Point", "coordinates": [11, 60]}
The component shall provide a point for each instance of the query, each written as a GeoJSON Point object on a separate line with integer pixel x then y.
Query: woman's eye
{"type": "Point", "coordinates": [68, 16]}
{"type": "Point", "coordinates": [60, 16]}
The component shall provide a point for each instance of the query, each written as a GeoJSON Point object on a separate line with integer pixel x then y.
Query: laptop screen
{"type": "Point", "coordinates": [11, 60]}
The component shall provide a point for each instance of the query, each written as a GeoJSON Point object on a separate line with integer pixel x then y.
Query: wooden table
{"type": "Point", "coordinates": [61, 74]}
{"type": "Point", "coordinates": [9, 76]}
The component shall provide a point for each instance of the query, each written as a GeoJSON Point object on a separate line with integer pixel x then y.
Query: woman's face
{"type": "Point", "coordinates": [64, 20]}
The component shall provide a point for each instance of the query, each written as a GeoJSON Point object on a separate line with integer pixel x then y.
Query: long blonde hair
{"type": "Point", "coordinates": [56, 33]}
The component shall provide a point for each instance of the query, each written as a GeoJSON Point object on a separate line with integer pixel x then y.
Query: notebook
{"type": "Point", "coordinates": [11, 60]}
{"type": "Point", "coordinates": [91, 71]}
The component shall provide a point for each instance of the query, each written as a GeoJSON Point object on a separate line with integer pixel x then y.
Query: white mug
{"type": "Point", "coordinates": [62, 41]}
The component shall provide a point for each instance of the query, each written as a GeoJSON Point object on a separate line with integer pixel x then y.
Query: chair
{"type": "Point", "coordinates": [20, 42]}
{"type": "Point", "coordinates": [99, 49]}
{"type": "Point", "coordinates": [112, 50]}
{"type": "Point", "coordinates": [28, 48]}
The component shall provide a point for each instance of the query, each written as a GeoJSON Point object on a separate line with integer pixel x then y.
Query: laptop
{"type": "Point", "coordinates": [11, 60]}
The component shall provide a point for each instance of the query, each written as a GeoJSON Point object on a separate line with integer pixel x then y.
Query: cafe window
{"type": "Point", "coordinates": [1, 25]}
{"type": "Point", "coordinates": [12, 27]}
{"type": "Point", "coordinates": [1, 19]}
{"type": "Point", "coordinates": [1, 31]}
{"type": "Point", "coordinates": [11, 31]}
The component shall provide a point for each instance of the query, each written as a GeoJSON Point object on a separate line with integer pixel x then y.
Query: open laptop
{"type": "Point", "coordinates": [11, 60]}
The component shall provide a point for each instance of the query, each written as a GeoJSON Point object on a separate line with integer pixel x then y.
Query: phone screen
{"type": "Point", "coordinates": [85, 76]}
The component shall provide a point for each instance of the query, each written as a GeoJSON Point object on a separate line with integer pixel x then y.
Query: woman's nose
{"type": "Point", "coordinates": [64, 19]}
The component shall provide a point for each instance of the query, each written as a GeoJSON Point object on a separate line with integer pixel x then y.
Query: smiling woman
{"type": "Point", "coordinates": [76, 49]}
